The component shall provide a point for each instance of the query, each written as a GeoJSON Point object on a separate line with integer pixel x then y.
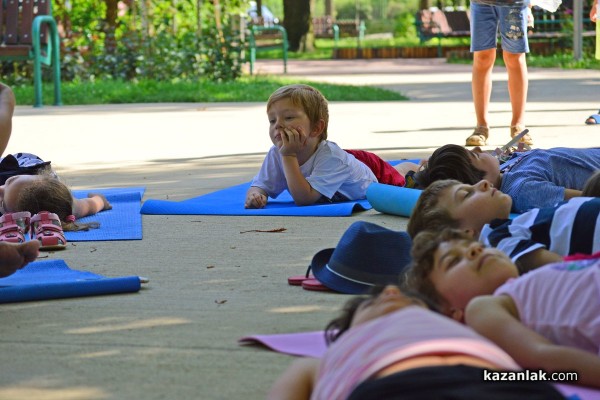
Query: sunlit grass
{"type": "Point", "coordinates": [245, 89]}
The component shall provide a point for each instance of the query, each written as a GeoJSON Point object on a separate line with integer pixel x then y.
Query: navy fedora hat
{"type": "Point", "coordinates": [366, 255]}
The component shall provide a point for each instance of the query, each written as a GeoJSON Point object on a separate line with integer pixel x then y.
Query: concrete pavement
{"type": "Point", "coordinates": [209, 283]}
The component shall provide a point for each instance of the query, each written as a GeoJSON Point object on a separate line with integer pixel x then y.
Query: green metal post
{"type": "Point", "coordinates": [362, 28]}
{"type": "Point", "coordinates": [336, 35]}
{"type": "Point", "coordinates": [285, 48]}
{"type": "Point", "coordinates": [284, 44]}
{"type": "Point", "coordinates": [52, 58]}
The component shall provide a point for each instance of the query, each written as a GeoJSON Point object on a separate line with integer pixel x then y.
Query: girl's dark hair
{"type": "Point", "coordinates": [450, 161]}
{"type": "Point", "coordinates": [417, 275]}
{"type": "Point", "coordinates": [342, 322]}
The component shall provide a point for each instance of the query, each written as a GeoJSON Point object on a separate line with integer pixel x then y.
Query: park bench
{"type": "Point", "coordinates": [326, 27]}
{"type": "Point", "coordinates": [28, 32]}
{"type": "Point", "coordinates": [442, 24]}
{"type": "Point", "coordinates": [552, 26]}
{"type": "Point", "coordinates": [323, 27]}
{"type": "Point", "coordinates": [262, 38]}
{"type": "Point", "coordinates": [350, 27]}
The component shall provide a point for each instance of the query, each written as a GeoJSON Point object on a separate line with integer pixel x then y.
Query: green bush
{"type": "Point", "coordinates": [380, 26]}
{"type": "Point", "coordinates": [404, 25]}
{"type": "Point", "coordinates": [348, 10]}
{"type": "Point", "coordinates": [220, 59]}
{"type": "Point", "coordinates": [164, 41]}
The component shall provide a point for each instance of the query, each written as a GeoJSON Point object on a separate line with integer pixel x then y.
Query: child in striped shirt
{"type": "Point", "coordinates": [532, 239]}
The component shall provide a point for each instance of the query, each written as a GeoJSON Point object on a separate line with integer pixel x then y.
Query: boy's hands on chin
{"type": "Point", "coordinates": [292, 142]}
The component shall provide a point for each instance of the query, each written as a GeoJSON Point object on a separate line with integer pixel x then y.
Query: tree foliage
{"type": "Point", "coordinates": [137, 39]}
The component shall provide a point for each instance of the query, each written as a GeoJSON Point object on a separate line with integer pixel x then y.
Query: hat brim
{"type": "Point", "coordinates": [331, 279]}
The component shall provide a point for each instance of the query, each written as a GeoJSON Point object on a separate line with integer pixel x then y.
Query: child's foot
{"type": "Point", "coordinates": [14, 256]}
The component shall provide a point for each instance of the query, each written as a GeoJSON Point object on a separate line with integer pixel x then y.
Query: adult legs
{"type": "Point", "coordinates": [481, 86]}
{"type": "Point", "coordinates": [518, 83]}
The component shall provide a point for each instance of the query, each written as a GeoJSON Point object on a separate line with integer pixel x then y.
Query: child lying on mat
{"type": "Point", "coordinates": [390, 344]}
{"type": "Point", "coordinates": [304, 162]}
{"type": "Point", "coordinates": [16, 256]}
{"type": "Point", "coordinates": [534, 179]}
{"type": "Point", "coordinates": [532, 239]}
{"type": "Point", "coordinates": [29, 184]}
{"type": "Point", "coordinates": [548, 318]}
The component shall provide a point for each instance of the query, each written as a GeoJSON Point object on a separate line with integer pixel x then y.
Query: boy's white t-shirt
{"type": "Point", "coordinates": [329, 170]}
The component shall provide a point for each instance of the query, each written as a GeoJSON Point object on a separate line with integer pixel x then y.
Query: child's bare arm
{"type": "Point", "coordinates": [496, 318]}
{"type": "Point", "coordinates": [570, 193]}
{"type": "Point", "coordinates": [255, 198]}
{"type": "Point", "coordinates": [536, 259]}
{"type": "Point", "coordinates": [297, 382]}
{"type": "Point", "coordinates": [94, 203]}
{"type": "Point", "coordinates": [301, 191]}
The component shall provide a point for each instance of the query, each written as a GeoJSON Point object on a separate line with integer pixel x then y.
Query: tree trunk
{"type": "Point", "coordinates": [329, 8]}
{"type": "Point", "coordinates": [297, 22]}
{"type": "Point", "coordinates": [110, 43]}
{"type": "Point", "coordinates": [219, 27]}
{"type": "Point", "coordinates": [144, 17]}
{"type": "Point", "coordinates": [199, 18]}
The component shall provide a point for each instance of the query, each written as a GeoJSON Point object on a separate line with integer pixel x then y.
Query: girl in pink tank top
{"type": "Point", "coordinates": [379, 340]}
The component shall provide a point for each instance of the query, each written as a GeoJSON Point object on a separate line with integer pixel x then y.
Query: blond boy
{"type": "Point", "coordinates": [302, 160]}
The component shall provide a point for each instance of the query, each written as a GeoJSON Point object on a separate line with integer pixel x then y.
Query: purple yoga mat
{"type": "Point", "coordinates": [306, 344]}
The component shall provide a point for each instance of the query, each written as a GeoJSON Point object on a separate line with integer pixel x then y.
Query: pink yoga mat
{"type": "Point", "coordinates": [304, 344]}
{"type": "Point", "coordinates": [312, 344]}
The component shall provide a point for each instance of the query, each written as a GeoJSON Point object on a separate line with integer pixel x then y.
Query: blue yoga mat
{"type": "Point", "coordinates": [53, 279]}
{"type": "Point", "coordinates": [393, 200]}
{"type": "Point", "coordinates": [396, 200]}
{"type": "Point", "coordinates": [123, 222]}
{"type": "Point", "coordinates": [230, 201]}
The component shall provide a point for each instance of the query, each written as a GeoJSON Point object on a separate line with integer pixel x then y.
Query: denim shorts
{"type": "Point", "coordinates": [487, 20]}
